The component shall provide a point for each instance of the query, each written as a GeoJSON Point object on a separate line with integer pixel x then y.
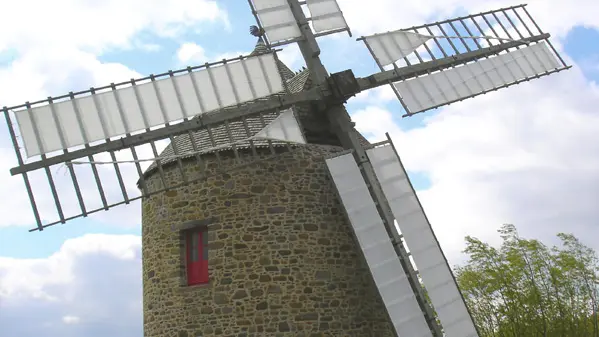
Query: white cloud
{"type": "Point", "coordinates": [525, 155]}
{"type": "Point", "coordinates": [191, 52]}
{"type": "Point", "coordinates": [591, 65]}
{"type": "Point", "coordinates": [90, 287]}
{"type": "Point", "coordinates": [379, 96]}
{"type": "Point", "coordinates": [149, 47]}
{"type": "Point", "coordinates": [69, 319]}
{"type": "Point", "coordinates": [100, 25]}
{"type": "Point", "coordinates": [35, 76]}
{"type": "Point", "coordinates": [291, 56]}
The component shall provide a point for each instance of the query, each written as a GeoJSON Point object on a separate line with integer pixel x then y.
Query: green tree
{"type": "Point", "coordinates": [526, 289]}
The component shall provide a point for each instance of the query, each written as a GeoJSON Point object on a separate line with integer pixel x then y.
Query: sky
{"type": "Point", "coordinates": [527, 155]}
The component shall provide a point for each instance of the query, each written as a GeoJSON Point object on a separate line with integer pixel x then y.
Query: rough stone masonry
{"type": "Point", "coordinates": [282, 258]}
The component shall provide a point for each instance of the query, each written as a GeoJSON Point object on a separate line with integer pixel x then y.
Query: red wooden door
{"type": "Point", "coordinates": [197, 257]}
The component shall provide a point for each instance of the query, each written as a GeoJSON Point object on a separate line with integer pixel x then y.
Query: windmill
{"type": "Point", "coordinates": [241, 228]}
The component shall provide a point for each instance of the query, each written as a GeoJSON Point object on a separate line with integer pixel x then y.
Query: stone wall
{"type": "Point", "coordinates": [282, 258]}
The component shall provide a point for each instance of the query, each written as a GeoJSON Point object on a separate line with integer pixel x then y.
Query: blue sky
{"type": "Point", "coordinates": [526, 156]}
{"type": "Point", "coordinates": [580, 46]}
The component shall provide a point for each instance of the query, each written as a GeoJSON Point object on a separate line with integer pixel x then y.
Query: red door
{"type": "Point", "coordinates": [197, 257]}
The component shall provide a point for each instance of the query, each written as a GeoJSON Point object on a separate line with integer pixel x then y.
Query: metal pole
{"type": "Point", "coordinates": [348, 136]}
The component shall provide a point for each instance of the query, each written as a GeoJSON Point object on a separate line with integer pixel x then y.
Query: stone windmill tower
{"type": "Point", "coordinates": [281, 257]}
{"type": "Point", "coordinates": [268, 214]}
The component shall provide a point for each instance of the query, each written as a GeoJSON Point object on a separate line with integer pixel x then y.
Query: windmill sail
{"type": "Point", "coordinates": [284, 128]}
{"type": "Point", "coordinates": [277, 20]}
{"type": "Point", "coordinates": [385, 267]}
{"type": "Point", "coordinates": [212, 102]}
{"type": "Point", "coordinates": [424, 247]}
{"type": "Point", "coordinates": [486, 52]}
{"type": "Point", "coordinates": [326, 15]}
{"type": "Point", "coordinates": [390, 47]}
{"type": "Point", "coordinates": [441, 88]}
{"type": "Point", "coordinates": [147, 103]}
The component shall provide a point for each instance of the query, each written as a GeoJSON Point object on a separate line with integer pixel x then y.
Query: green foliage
{"type": "Point", "coordinates": [526, 289]}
